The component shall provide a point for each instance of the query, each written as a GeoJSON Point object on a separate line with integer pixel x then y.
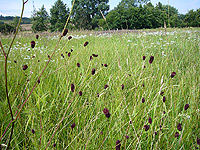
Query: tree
{"type": "Point", "coordinates": [58, 16]}
{"type": "Point", "coordinates": [15, 21]}
{"type": "Point", "coordinates": [40, 20]}
{"type": "Point", "coordinates": [192, 18]}
{"type": "Point", "coordinates": [131, 3]}
{"type": "Point", "coordinates": [86, 13]}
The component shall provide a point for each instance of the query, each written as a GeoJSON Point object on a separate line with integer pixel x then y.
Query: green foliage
{"type": "Point", "coordinates": [131, 3]}
{"type": "Point", "coordinates": [192, 18]}
{"type": "Point", "coordinates": [146, 16]}
{"type": "Point", "coordinates": [15, 21]}
{"type": "Point", "coordinates": [40, 20]}
{"type": "Point", "coordinates": [58, 15]}
{"type": "Point", "coordinates": [86, 13]}
{"type": "Point", "coordinates": [6, 28]}
{"type": "Point", "coordinates": [128, 15]}
{"type": "Point", "coordinates": [25, 20]}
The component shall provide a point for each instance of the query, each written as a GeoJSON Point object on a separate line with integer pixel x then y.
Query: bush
{"type": "Point", "coordinates": [6, 28]}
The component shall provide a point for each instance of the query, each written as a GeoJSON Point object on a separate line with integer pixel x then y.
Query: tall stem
{"type": "Point", "coordinates": [6, 74]}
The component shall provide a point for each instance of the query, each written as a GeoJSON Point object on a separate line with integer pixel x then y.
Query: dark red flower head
{"type": "Point", "coordinates": [164, 99]}
{"type": "Point", "coordinates": [106, 86]}
{"type": "Point", "coordinates": [179, 127]}
{"type": "Point", "coordinates": [73, 125]}
{"type": "Point", "coordinates": [93, 71]}
{"type": "Point", "coordinates": [70, 37]}
{"type": "Point", "coordinates": [32, 44]}
{"type": "Point", "coordinates": [150, 120]}
{"type": "Point", "coordinates": [186, 106]}
{"type": "Point", "coordinates": [146, 127]}
{"type": "Point", "coordinates": [176, 134]}
{"type": "Point", "coordinates": [122, 86]}
{"type": "Point", "coordinates": [37, 36]}
{"type": "Point", "coordinates": [91, 58]}
{"type": "Point", "coordinates": [106, 112]}
{"type": "Point", "coordinates": [72, 50]}
{"type": "Point", "coordinates": [143, 100]}
{"type": "Point", "coordinates": [198, 141]}
{"type": "Point", "coordinates": [127, 137]}
{"type": "Point", "coordinates": [94, 55]}
{"type": "Point", "coordinates": [65, 32]}
{"type": "Point", "coordinates": [105, 65]}
{"type": "Point", "coordinates": [144, 57]}
{"type": "Point", "coordinates": [118, 144]}
{"type": "Point", "coordinates": [72, 87]}
{"type": "Point", "coordinates": [78, 65]}
{"type": "Point", "coordinates": [62, 55]}
{"type": "Point", "coordinates": [54, 145]}
{"type": "Point", "coordinates": [151, 59]}
{"type": "Point", "coordinates": [15, 61]}
{"type": "Point", "coordinates": [25, 67]}
{"type": "Point", "coordinates": [69, 54]}
{"type": "Point", "coordinates": [33, 131]}
{"type": "Point", "coordinates": [173, 74]}
{"type": "Point", "coordinates": [80, 93]}
{"type": "Point", "coordinates": [86, 43]}
{"type": "Point", "coordinates": [97, 94]}
{"type": "Point", "coordinates": [161, 93]}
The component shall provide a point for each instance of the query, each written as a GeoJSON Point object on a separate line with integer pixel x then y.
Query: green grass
{"type": "Point", "coordinates": [53, 100]}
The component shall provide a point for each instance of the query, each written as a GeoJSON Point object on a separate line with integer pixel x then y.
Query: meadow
{"type": "Point", "coordinates": [121, 90]}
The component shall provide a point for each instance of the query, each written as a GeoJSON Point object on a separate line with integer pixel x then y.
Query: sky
{"type": "Point", "coordinates": [13, 7]}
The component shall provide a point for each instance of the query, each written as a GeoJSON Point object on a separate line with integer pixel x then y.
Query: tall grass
{"type": "Point", "coordinates": [54, 105]}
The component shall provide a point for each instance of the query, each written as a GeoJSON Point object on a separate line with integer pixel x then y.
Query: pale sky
{"type": "Point", "coordinates": [13, 7]}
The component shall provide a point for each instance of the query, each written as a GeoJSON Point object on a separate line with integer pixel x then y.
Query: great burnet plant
{"type": "Point", "coordinates": [14, 117]}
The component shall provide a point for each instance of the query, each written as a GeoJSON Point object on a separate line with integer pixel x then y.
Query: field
{"type": "Point", "coordinates": [118, 99]}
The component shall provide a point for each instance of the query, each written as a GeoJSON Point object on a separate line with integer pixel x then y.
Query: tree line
{"type": "Point", "coordinates": [128, 14]}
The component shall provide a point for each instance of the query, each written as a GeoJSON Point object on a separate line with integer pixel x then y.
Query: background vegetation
{"type": "Point", "coordinates": [88, 14]}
